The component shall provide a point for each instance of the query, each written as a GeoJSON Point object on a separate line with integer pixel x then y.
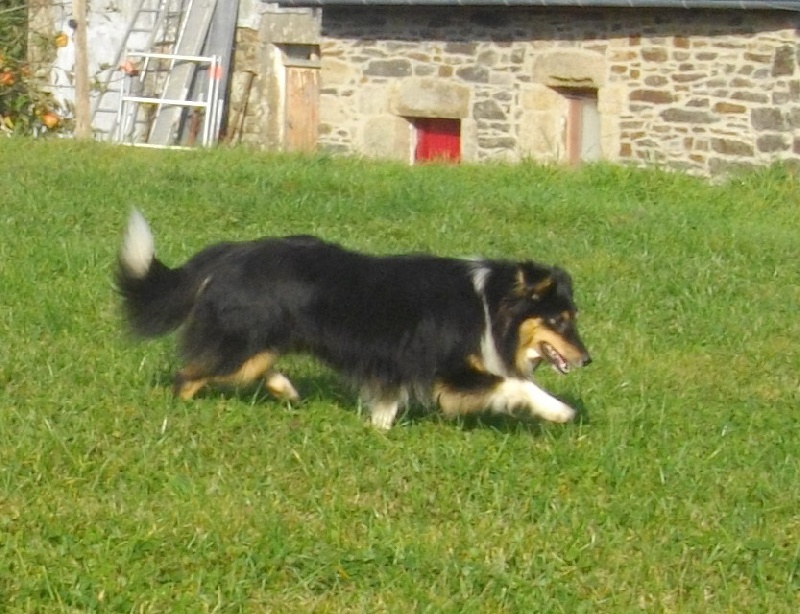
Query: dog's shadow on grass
{"type": "Point", "coordinates": [328, 388]}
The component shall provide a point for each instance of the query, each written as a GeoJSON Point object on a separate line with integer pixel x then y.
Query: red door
{"type": "Point", "coordinates": [438, 140]}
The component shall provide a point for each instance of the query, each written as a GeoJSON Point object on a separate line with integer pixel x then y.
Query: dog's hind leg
{"type": "Point", "coordinates": [193, 377]}
{"type": "Point", "coordinates": [383, 405]}
{"type": "Point", "coordinates": [279, 385]}
{"type": "Point", "coordinates": [187, 382]}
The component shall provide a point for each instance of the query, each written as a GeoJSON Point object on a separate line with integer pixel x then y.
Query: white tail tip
{"type": "Point", "coordinates": [138, 249]}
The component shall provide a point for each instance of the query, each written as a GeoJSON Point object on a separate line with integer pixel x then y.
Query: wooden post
{"type": "Point", "coordinates": [83, 120]}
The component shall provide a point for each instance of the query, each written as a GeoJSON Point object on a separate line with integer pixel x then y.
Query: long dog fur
{"type": "Point", "coordinates": [466, 334]}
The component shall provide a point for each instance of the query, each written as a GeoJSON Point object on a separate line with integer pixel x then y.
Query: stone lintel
{"type": "Point", "coordinates": [570, 68]}
{"type": "Point", "coordinates": [423, 97]}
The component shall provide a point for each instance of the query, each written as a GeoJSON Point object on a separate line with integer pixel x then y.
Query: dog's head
{"type": "Point", "coordinates": [546, 320]}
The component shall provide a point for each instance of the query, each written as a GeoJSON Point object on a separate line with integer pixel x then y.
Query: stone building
{"type": "Point", "coordinates": [704, 86]}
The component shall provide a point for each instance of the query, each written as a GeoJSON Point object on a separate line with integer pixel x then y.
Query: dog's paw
{"type": "Point", "coordinates": [556, 412]}
{"type": "Point", "coordinates": [279, 385]}
{"type": "Point", "coordinates": [382, 415]}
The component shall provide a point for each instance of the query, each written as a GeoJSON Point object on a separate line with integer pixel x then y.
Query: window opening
{"type": "Point", "coordinates": [582, 125]}
{"type": "Point", "coordinates": [437, 140]}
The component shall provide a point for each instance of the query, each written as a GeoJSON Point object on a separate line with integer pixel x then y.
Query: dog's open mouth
{"type": "Point", "coordinates": [555, 359]}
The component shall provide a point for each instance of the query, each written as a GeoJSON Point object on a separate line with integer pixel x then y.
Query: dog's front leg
{"type": "Point", "coordinates": [514, 392]}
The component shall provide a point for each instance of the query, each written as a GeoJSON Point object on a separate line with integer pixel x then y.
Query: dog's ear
{"type": "Point", "coordinates": [534, 283]}
{"type": "Point", "coordinates": [563, 282]}
{"type": "Point", "coordinates": [542, 287]}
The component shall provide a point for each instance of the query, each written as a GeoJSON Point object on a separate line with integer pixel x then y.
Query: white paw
{"type": "Point", "coordinates": [280, 386]}
{"type": "Point", "coordinates": [382, 415]}
{"type": "Point", "coordinates": [556, 412]}
{"type": "Point", "coordinates": [524, 393]}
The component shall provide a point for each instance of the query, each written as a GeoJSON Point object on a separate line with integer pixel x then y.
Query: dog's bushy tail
{"type": "Point", "coordinates": [155, 298]}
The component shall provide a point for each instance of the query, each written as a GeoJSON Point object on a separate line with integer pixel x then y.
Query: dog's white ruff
{"type": "Point", "coordinates": [489, 354]}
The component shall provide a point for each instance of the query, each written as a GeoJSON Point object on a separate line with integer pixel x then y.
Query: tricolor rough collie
{"type": "Point", "coordinates": [464, 334]}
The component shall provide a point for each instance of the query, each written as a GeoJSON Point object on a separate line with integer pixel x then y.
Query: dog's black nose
{"type": "Point", "coordinates": [586, 360]}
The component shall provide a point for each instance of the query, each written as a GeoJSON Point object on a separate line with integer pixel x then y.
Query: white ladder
{"type": "Point", "coordinates": [148, 102]}
{"type": "Point", "coordinates": [191, 38]}
{"type": "Point", "coordinates": [132, 129]}
{"type": "Point", "coordinates": [150, 27]}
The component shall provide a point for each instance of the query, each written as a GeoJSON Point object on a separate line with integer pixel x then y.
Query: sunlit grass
{"type": "Point", "coordinates": [675, 492]}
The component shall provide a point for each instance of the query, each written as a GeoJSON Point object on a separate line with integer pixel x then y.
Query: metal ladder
{"type": "Point", "coordinates": [182, 70]}
{"type": "Point", "coordinates": [146, 101]}
{"type": "Point", "coordinates": [148, 28]}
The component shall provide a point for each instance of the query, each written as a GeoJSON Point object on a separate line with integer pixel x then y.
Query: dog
{"type": "Point", "coordinates": [465, 334]}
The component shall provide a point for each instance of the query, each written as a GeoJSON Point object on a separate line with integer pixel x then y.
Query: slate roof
{"type": "Point", "coordinates": [788, 5]}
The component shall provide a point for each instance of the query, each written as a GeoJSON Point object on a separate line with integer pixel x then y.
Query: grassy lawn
{"type": "Point", "coordinates": [676, 491]}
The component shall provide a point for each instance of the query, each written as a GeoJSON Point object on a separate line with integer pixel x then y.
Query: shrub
{"type": "Point", "coordinates": [25, 108]}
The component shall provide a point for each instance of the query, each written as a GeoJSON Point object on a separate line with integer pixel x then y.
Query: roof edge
{"type": "Point", "coordinates": [785, 5]}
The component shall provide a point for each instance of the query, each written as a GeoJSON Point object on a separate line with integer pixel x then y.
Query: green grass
{"type": "Point", "coordinates": [677, 491]}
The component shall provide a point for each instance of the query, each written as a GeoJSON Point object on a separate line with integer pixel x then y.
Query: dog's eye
{"type": "Point", "coordinates": [553, 321]}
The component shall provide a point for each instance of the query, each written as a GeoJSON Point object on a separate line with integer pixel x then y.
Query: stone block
{"type": "Point", "coordinates": [655, 80]}
{"type": "Point", "coordinates": [681, 42]}
{"type": "Point", "coordinates": [684, 116]}
{"type": "Point", "coordinates": [570, 68]}
{"type": "Point", "coordinates": [655, 54]}
{"type": "Point", "coordinates": [372, 100]}
{"type": "Point", "coordinates": [612, 100]}
{"type": "Point", "coordinates": [540, 136]}
{"type": "Point", "coordinates": [488, 109]}
{"type": "Point", "coordinates": [539, 98]}
{"type": "Point", "coordinates": [469, 141]}
{"type": "Point", "coordinates": [291, 28]}
{"type": "Point", "coordinates": [335, 73]}
{"type": "Point", "coordinates": [334, 110]}
{"type": "Point", "coordinates": [473, 74]}
{"type": "Point", "coordinates": [388, 68]}
{"type": "Point", "coordinates": [729, 107]}
{"type": "Point", "coordinates": [688, 77]}
{"type": "Point", "coordinates": [501, 78]}
{"type": "Point", "coordinates": [387, 137]}
{"type": "Point", "coordinates": [653, 96]}
{"type": "Point", "coordinates": [609, 138]}
{"type": "Point", "coordinates": [771, 143]}
{"type": "Point", "coordinates": [767, 118]}
{"type": "Point", "coordinates": [461, 48]}
{"type": "Point", "coordinates": [732, 148]}
{"type": "Point", "coordinates": [487, 57]}
{"type": "Point", "coordinates": [422, 97]}
{"type": "Point", "coordinates": [750, 97]}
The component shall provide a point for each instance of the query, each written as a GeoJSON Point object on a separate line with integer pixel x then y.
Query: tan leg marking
{"type": "Point", "coordinates": [187, 389]}
{"type": "Point", "coordinates": [189, 381]}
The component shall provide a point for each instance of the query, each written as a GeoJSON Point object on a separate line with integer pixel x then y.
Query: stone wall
{"type": "Point", "coordinates": [247, 97]}
{"type": "Point", "coordinates": [257, 91]}
{"type": "Point", "coordinates": [703, 91]}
